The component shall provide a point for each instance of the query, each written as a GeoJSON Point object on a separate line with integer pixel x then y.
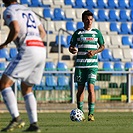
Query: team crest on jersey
{"type": "Point", "coordinates": [93, 35]}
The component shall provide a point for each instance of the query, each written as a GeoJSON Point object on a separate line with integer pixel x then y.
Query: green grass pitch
{"type": "Point", "coordinates": [105, 122]}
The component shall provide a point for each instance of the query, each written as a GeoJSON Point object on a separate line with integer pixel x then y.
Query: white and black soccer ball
{"type": "Point", "coordinates": [76, 115]}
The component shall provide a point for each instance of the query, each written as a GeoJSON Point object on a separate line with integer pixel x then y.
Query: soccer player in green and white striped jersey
{"type": "Point", "coordinates": [87, 42]}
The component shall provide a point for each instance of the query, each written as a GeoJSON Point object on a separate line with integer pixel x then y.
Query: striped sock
{"type": "Point", "coordinates": [80, 105]}
{"type": "Point", "coordinates": [91, 107]}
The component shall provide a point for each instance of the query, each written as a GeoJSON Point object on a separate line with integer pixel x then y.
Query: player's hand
{"type": "Point", "coordinates": [73, 50]}
{"type": "Point", "coordinates": [90, 53]}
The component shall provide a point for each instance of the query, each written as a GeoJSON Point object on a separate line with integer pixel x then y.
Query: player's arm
{"type": "Point", "coordinates": [41, 31]}
{"type": "Point", "coordinates": [91, 53]}
{"type": "Point", "coordinates": [13, 33]}
{"type": "Point", "coordinates": [100, 49]}
{"type": "Point", "coordinates": [73, 42]}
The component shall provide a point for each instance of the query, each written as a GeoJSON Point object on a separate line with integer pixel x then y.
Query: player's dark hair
{"type": "Point", "coordinates": [8, 2]}
{"type": "Point", "coordinates": [86, 13]}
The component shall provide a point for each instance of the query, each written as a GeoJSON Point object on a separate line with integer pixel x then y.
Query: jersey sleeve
{"type": "Point", "coordinates": [100, 38]}
{"type": "Point", "coordinates": [73, 40]}
{"type": "Point", "coordinates": [9, 16]}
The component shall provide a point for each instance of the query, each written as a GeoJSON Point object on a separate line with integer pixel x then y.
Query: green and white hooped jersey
{"type": "Point", "coordinates": [86, 40]}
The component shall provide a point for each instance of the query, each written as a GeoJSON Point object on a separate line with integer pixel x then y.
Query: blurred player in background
{"type": "Point", "coordinates": [89, 42]}
{"type": "Point", "coordinates": [27, 33]}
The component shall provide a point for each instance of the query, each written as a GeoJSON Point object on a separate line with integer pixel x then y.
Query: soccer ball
{"type": "Point", "coordinates": [76, 115]}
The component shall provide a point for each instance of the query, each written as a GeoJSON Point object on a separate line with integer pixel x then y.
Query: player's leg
{"type": "Point", "coordinates": [11, 103]}
{"type": "Point", "coordinates": [80, 78]}
{"type": "Point", "coordinates": [35, 77]}
{"type": "Point", "coordinates": [91, 102]}
{"type": "Point", "coordinates": [31, 107]}
{"type": "Point", "coordinates": [91, 93]}
{"type": "Point", "coordinates": [80, 96]}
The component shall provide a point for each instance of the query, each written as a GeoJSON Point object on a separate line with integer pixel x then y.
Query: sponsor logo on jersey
{"type": "Point", "coordinates": [89, 38]}
{"type": "Point", "coordinates": [85, 39]}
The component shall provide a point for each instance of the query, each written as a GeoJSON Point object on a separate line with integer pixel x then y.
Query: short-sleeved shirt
{"type": "Point", "coordinates": [86, 40]}
{"type": "Point", "coordinates": [28, 65]}
{"type": "Point", "coordinates": [28, 23]}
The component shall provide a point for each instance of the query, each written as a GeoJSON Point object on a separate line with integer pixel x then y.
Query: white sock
{"type": "Point", "coordinates": [10, 101]}
{"type": "Point", "coordinates": [31, 107]}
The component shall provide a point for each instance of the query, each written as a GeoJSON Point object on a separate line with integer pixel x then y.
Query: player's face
{"type": "Point", "coordinates": [88, 21]}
